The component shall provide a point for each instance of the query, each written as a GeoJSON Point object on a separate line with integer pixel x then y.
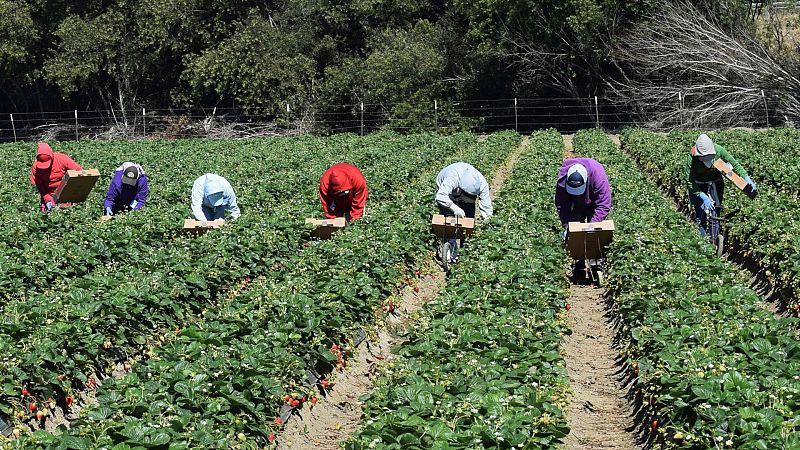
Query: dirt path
{"type": "Point", "coordinates": [338, 415]}
{"type": "Point", "coordinates": [569, 150]}
{"type": "Point", "coordinates": [598, 414]}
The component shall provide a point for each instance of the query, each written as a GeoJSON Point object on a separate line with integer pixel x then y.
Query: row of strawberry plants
{"type": "Point", "coordinates": [764, 232]}
{"type": "Point", "coordinates": [482, 368]}
{"type": "Point", "coordinates": [121, 308]}
{"type": "Point", "coordinates": [267, 339]}
{"type": "Point", "coordinates": [40, 251]}
{"type": "Point", "coordinates": [710, 367]}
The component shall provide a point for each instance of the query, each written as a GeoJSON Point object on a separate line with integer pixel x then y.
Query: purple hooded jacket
{"type": "Point", "coordinates": [120, 196]}
{"type": "Point", "coordinates": [595, 203]}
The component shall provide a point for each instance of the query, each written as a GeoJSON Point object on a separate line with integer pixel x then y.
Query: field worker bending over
{"type": "Point", "coordinates": [701, 173]}
{"type": "Point", "coordinates": [582, 192]}
{"type": "Point", "coordinates": [459, 185]}
{"type": "Point", "coordinates": [47, 173]}
{"type": "Point", "coordinates": [212, 195]}
{"type": "Point", "coordinates": [343, 192]}
{"type": "Point", "coordinates": [128, 189]}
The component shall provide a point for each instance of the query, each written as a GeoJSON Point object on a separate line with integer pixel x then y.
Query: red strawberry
{"type": "Point", "coordinates": [16, 433]}
{"type": "Point", "coordinates": [51, 402]}
{"type": "Point", "coordinates": [324, 383]}
{"type": "Point", "coordinates": [24, 392]}
{"type": "Point", "coordinates": [278, 421]}
{"type": "Point", "coordinates": [294, 403]}
{"type": "Point", "coordinates": [416, 273]}
{"type": "Point", "coordinates": [416, 289]}
{"type": "Point", "coordinates": [271, 437]}
{"type": "Point", "coordinates": [32, 407]}
{"type": "Point", "coordinates": [68, 400]}
{"type": "Point", "coordinates": [568, 306]}
{"type": "Point", "coordinates": [654, 425]}
{"type": "Point", "coordinates": [313, 401]}
{"type": "Point", "coordinates": [287, 397]}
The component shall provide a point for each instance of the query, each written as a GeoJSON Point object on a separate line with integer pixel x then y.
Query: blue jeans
{"type": "Point", "coordinates": [700, 218]}
{"type": "Point", "coordinates": [214, 213]}
{"type": "Point", "coordinates": [469, 211]}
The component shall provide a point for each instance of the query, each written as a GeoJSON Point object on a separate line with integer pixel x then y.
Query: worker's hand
{"type": "Point", "coordinates": [751, 183]}
{"type": "Point", "coordinates": [457, 211]}
{"type": "Point", "coordinates": [48, 205]}
{"type": "Point", "coordinates": [133, 204]}
{"type": "Point", "coordinates": [485, 218]}
{"type": "Point", "coordinates": [108, 211]}
{"type": "Point", "coordinates": [564, 234]}
{"type": "Point", "coordinates": [708, 203]}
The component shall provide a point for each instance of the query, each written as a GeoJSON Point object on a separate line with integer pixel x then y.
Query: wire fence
{"type": "Point", "coordinates": [521, 114]}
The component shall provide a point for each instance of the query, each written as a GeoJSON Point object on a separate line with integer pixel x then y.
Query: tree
{"type": "Point", "coordinates": [719, 74]}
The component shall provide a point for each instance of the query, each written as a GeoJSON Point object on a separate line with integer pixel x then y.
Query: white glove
{"type": "Point", "coordinates": [485, 217]}
{"type": "Point", "coordinates": [457, 211]}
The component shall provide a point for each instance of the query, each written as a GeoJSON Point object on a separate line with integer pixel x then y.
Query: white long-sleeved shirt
{"type": "Point", "coordinates": [459, 178]}
{"type": "Point", "coordinates": [209, 184]}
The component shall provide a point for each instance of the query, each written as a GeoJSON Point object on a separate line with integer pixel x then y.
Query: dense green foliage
{"type": "Point", "coordinates": [263, 54]}
{"type": "Point", "coordinates": [482, 368]}
{"type": "Point", "coordinates": [185, 310]}
{"type": "Point", "coordinates": [766, 230]}
{"type": "Point", "coordinates": [710, 364]}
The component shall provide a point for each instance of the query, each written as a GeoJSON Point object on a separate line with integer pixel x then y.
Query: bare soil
{"type": "Point", "coordinates": [338, 415]}
{"type": "Point", "coordinates": [569, 150]}
{"type": "Point", "coordinates": [598, 415]}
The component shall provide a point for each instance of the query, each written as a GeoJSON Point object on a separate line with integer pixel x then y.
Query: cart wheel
{"type": "Point", "coordinates": [447, 254]}
{"type": "Point", "coordinates": [720, 244]}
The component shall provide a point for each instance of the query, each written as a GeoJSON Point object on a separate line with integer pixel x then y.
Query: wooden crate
{"type": "Point", "coordinates": [588, 240]}
{"type": "Point", "coordinates": [326, 227]}
{"type": "Point", "coordinates": [738, 181]}
{"type": "Point", "coordinates": [198, 227]}
{"type": "Point", "coordinates": [76, 186]}
{"type": "Point", "coordinates": [452, 227]}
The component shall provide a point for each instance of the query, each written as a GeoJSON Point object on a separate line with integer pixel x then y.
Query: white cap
{"type": "Point", "coordinates": [704, 149]}
{"type": "Point", "coordinates": [576, 179]}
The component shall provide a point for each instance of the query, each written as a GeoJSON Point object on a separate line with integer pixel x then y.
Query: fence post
{"type": "Point", "coordinates": [516, 117]}
{"type": "Point", "coordinates": [144, 123]}
{"type": "Point", "coordinates": [13, 128]}
{"type": "Point", "coordinates": [596, 112]}
{"type": "Point", "coordinates": [362, 118]}
{"type": "Point", "coordinates": [766, 111]}
{"type": "Point", "coordinates": [435, 114]}
{"type": "Point", "coordinates": [76, 124]}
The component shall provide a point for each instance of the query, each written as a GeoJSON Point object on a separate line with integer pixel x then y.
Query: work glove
{"type": "Point", "coordinates": [133, 204]}
{"type": "Point", "coordinates": [750, 182]}
{"type": "Point", "coordinates": [48, 205]}
{"type": "Point", "coordinates": [708, 203]}
{"type": "Point", "coordinates": [108, 211]}
{"type": "Point", "coordinates": [564, 235]}
{"type": "Point", "coordinates": [457, 211]}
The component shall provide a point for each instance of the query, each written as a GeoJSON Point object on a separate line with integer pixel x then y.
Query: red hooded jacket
{"type": "Point", "coordinates": [48, 171]}
{"type": "Point", "coordinates": [339, 178]}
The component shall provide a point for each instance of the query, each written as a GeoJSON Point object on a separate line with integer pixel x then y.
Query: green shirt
{"type": "Point", "coordinates": [698, 172]}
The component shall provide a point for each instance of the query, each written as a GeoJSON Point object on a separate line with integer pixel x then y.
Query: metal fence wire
{"type": "Point", "coordinates": [521, 114]}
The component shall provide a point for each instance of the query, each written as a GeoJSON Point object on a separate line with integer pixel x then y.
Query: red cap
{"type": "Point", "coordinates": [44, 157]}
{"type": "Point", "coordinates": [337, 182]}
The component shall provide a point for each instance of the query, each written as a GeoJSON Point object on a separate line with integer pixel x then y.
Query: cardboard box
{"type": "Point", "coordinates": [198, 227]}
{"type": "Point", "coordinates": [452, 227]}
{"type": "Point", "coordinates": [588, 240]}
{"type": "Point", "coordinates": [326, 227]}
{"type": "Point", "coordinates": [738, 181]}
{"type": "Point", "coordinates": [76, 186]}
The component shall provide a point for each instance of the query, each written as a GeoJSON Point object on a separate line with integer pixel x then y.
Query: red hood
{"type": "Point", "coordinates": [44, 149]}
{"type": "Point", "coordinates": [338, 182]}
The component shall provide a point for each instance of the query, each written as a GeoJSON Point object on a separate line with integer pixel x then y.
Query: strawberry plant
{"type": "Point", "coordinates": [709, 367]}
